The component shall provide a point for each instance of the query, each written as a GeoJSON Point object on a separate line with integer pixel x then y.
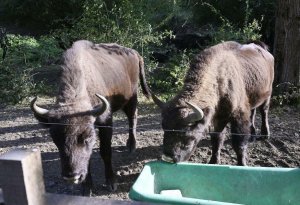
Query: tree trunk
{"type": "Point", "coordinates": [287, 44]}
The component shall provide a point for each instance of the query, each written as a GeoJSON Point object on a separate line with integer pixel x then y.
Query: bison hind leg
{"type": "Point", "coordinates": [265, 130]}
{"type": "Point", "coordinates": [264, 110]}
{"type": "Point", "coordinates": [253, 128]}
{"type": "Point", "coordinates": [130, 109]}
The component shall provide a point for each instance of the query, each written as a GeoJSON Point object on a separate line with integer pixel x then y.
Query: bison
{"type": "Point", "coordinates": [96, 81]}
{"type": "Point", "coordinates": [225, 84]}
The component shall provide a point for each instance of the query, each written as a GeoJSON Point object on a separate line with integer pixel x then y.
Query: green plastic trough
{"type": "Point", "coordinates": [217, 184]}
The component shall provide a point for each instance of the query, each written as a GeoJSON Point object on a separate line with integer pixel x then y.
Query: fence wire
{"type": "Point", "coordinates": [154, 125]}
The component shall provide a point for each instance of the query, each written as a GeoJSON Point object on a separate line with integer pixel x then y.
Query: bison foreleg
{"type": "Point", "coordinates": [130, 110]}
{"type": "Point", "coordinates": [105, 134]}
{"type": "Point", "coordinates": [217, 141]}
{"type": "Point", "coordinates": [240, 128]}
{"type": "Point", "coordinates": [87, 185]}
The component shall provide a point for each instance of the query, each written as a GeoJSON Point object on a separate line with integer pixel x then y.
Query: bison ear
{"type": "Point", "coordinates": [40, 114]}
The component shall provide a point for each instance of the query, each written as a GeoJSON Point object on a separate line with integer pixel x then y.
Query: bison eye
{"type": "Point", "coordinates": [82, 139]}
{"type": "Point", "coordinates": [87, 141]}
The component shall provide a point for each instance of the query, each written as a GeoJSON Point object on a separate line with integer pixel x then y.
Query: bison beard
{"type": "Point", "coordinates": [112, 71]}
{"type": "Point", "coordinates": [226, 82]}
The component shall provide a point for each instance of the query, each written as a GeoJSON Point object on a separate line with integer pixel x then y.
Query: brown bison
{"type": "Point", "coordinates": [225, 84]}
{"type": "Point", "coordinates": [96, 80]}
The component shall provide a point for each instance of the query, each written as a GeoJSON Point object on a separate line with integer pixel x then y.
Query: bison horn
{"type": "Point", "coordinates": [105, 105]}
{"type": "Point", "coordinates": [196, 115]}
{"type": "Point", "coordinates": [157, 101]}
{"type": "Point", "coordinates": [38, 110]}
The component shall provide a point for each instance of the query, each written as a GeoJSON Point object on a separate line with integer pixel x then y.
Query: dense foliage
{"type": "Point", "coordinates": [151, 27]}
{"type": "Point", "coordinates": [25, 55]}
{"type": "Point", "coordinates": [124, 23]}
{"type": "Point", "coordinates": [40, 15]}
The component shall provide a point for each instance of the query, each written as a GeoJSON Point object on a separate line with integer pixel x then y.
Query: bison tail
{"type": "Point", "coordinates": [145, 88]}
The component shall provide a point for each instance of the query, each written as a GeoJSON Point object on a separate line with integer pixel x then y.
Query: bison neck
{"type": "Point", "coordinates": [72, 86]}
{"type": "Point", "coordinates": [200, 85]}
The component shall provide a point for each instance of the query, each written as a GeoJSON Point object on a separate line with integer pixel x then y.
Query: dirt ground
{"type": "Point", "coordinates": [19, 129]}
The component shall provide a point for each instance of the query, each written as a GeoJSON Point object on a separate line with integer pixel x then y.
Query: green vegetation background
{"type": "Point", "coordinates": [149, 26]}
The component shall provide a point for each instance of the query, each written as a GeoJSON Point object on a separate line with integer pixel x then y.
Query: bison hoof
{"type": "Point", "coordinates": [214, 160]}
{"type": "Point", "coordinates": [252, 138]}
{"type": "Point", "coordinates": [86, 192]}
{"type": "Point", "coordinates": [131, 145]}
{"type": "Point", "coordinates": [111, 186]}
{"type": "Point", "coordinates": [263, 137]}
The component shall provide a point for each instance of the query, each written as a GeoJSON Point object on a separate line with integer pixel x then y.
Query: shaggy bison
{"type": "Point", "coordinates": [96, 80]}
{"type": "Point", "coordinates": [225, 84]}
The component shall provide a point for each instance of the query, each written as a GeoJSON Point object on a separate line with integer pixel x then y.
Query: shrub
{"type": "Point", "coordinates": [168, 78]}
{"type": "Point", "coordinates": [124, 23]}
{"type": "Point", "coordinates": [289, 97]}
{"type": "Point", "coordinates": [230, 31]}
{"type": "Point", "coordinates": [25, 55]}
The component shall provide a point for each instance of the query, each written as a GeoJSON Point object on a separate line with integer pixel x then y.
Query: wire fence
{"type": "Point", "coordinates": [156, 126]}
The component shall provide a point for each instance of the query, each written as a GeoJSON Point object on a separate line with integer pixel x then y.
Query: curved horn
{"type": "Point", "coordinates": [157, 101]}
{"type": "Point", "coordinates": [42, 112]}
{"type": "Point", "coordinates": [196, 115]}
{"type": "Point", "coordinates": [105, 105]}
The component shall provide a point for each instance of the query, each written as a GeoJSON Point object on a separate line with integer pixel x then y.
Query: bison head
{"type": "Point", "coordinates": [183, 128]}
{"type": "Point", "coordinates": [74, 135]}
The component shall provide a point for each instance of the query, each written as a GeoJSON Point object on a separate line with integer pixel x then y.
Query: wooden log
{"type": "Point", "coordinates": [21, 178]}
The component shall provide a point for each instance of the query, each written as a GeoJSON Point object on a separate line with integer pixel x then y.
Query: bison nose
{"type": "Point", "coordinates": [167, 158]}
{"type": "Point", "coordinates": [73, 178]}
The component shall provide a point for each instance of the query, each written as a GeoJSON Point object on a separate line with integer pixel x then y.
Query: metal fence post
{"type": "Point", "coordinates": [21, 178]}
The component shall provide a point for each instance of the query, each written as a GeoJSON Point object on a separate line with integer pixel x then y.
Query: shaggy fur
{"type": "Point", "coordinates": [110, 70]}
{"type": "Point", "coordinates": [228, 82]}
